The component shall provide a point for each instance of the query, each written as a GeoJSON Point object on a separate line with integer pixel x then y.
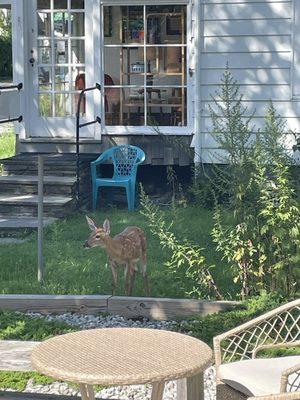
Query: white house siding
{"type": "Point", "coordinates": [255, 38]}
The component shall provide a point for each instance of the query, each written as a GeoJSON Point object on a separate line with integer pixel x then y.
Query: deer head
{"type": "Point", "coordinates": [98, 234]}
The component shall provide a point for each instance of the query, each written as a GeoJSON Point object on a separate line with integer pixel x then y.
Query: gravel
{"type": "Point", "coordinates": [135, 392]}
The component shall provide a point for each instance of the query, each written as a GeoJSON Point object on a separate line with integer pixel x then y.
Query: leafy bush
{"type": "Point", "coordinates": [261, 243]}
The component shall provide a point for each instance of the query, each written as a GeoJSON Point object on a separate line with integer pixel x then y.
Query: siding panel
{"type": "Point", "coordinates": [247, 11]}
{"type": "Point", "coordinates": [253, 27]}
{"type": "Point", "coordinates": [254, 37]}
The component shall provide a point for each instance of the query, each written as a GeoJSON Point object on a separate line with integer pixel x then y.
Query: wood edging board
{"type": "Point", "coordinates": [128, 307]}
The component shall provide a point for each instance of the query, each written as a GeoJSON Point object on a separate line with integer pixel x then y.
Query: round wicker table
{"type": "Point", "coordinates": [125, 356]}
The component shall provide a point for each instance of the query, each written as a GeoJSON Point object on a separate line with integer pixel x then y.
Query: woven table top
{"type": "Point", "coordinates": [121, 356]}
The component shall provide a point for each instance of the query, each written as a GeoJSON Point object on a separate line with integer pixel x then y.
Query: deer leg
{"type": "Point", "coordinates": [127, 276]}
{"type": "Point", "coordinates": [132, 280]}
{"type": "Point", "coordinates": [114, 271]}
{"type": "Point", "coordinates": [144, 274]}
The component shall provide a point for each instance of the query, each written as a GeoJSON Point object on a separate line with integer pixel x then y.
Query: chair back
{"type": "Point", "coordinates": [126, 158]}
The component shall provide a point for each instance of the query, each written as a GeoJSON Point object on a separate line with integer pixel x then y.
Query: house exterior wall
{"type": "Point", "coordinates": [255, 38]}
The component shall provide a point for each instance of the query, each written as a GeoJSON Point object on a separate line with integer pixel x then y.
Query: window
{"type": "Point", "coordinates": [145, 64]}
{"type": "Point", "coordinates": [61, 56]}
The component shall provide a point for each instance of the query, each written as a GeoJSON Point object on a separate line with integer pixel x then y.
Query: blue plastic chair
{"type": "Point", "coordinates": [126, 160]}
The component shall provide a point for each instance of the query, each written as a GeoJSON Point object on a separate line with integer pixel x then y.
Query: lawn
{"type": "Point", "coordinates": [7, 143]}
{"type": "Point", "coordinates": [71, 269]}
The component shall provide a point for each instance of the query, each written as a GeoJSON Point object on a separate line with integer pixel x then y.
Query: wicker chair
{"type": "Point", "coordinates": [242, 375]}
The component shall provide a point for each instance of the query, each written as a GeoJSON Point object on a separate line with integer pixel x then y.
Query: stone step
{"type": "Point", "coordinates": [55, 164]}
{"type": "Point", "coordinates": [33, 180]}
{"type": "Point", "coordinates": [15, 355]}
{"type": "Point", "coordinates": [26, 205]}
{"type": "Point", "coordinates": [15, 223]}
{"type": "Point", "coordinates": [28, 184]}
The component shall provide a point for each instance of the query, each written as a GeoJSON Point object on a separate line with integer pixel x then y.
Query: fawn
{"type": "Point", "coordinates": [125, 249]}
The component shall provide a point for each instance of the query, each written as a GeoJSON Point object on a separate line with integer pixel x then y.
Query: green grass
{"type": "Point", "coordinates": [7, 144]}
{"type": "Point", "coordinates": [70, 269]}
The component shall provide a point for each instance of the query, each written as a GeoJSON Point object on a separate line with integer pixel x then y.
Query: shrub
{"type": "Point", "coordinates": [261, 243]}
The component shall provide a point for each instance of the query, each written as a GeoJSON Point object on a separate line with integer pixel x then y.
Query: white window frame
{"type": "Point", "coordinates": [295, 70]}
{"type": "Point", "coordinates": [191, 66]}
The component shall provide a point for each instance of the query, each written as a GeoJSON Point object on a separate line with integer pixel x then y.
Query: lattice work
{"type": "Point", "coordinates": [293, 382]}
{"type": "Point", "coordinates": [125, 159]}
{"type": "Point", "coordinates": [279, 328]}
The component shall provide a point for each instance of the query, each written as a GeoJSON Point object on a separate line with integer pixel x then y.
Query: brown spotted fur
{"type": "Point", "coordinates": [126, 249]}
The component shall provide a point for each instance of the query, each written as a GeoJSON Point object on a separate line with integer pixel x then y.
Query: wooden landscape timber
{"type": "Point", "coordinates": [33, 396]}
{"type": "Point", "coordinates": [128, 307]}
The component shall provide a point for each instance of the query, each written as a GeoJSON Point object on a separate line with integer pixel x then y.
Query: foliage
{"type": "Point", "coordinates": [183, 254]}
{"type": "Point", "coordinates": [261, 243]}
{"type": "Point", "coordinates": [7, 144]}
{"type": "Point", "coordinates": [5, 46]}
{"type": "Point", "coordinates": [207, 327]}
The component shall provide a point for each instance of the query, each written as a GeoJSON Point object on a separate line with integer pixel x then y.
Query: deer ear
{"type": "Point", "coordinates": [106, 226]}
{"type": "Point", "coordinates": [91, 223]}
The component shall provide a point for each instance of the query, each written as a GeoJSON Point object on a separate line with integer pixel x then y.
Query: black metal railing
{"type": "Point", "coordinates": [18, 87]}
{"type": "Point", "coordinates": [78, 127]}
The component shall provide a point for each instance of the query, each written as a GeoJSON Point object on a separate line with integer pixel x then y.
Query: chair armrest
{"type": "Point", "coordinates": [279, 396]}
{"type": "Point", "coordinates": [237, 337]}
{"type": "Point", "coordinates": [290, 380]}
{"type": "Point", "coordinates": [275, 346]}
{"type": "Point", "coordinates": [103, 157]}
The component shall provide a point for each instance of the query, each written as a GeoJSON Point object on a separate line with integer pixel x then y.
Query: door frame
{"type": "Point", "coordinates": [59, 127]}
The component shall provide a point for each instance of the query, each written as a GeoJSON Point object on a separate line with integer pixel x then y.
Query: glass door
{"type": "Point", "coordinates": [57, 64]}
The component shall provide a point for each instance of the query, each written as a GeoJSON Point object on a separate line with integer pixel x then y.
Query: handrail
{"type": "Point", "coordinates": [19, 87]}
{"type": "Point", "coordinates": [78, 127]}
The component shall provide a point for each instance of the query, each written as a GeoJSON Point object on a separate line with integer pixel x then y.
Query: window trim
{"type": "Point", "coordinates": [295, 62]}
{"type": "Point", "coordinates": [190, 84]}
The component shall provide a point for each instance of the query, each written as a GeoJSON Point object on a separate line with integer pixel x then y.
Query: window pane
{"type": "Point", "coordinates": [45, 78]}
{"type": "Point", "coordinates": [123, 25]}
{"type": "Point", "coordinates": [77, 4]}
{"type": "Point", "coordinates": [60, 4]}
{"type": "Point", "coordinates": [44, 51]}
{"type": "Point", "coordinates": [124, 65]}
{"type": "Point", "coordinates": [61, 51]}
{"type": "Point", "coordinates": [45, 105]}
{"type": "Point", "coordinates": [74, 100]}
{"type": "Point", "coordinates": [77, 51]}
{"type": "Point", "coordinates": [6, 63]}
{"type": "Point", "coordinates": [43, 4]}
{"type": "Point", "coordinates": [60, 24]}
{"type": "Point", "coordinates": [62, 105]}
{"type": "Point", "coordinates": [124, 106]}
{"type": "Point", "coordinates": [166, 65]}
{"type": "Point", "coordinates": [44, 24]}
{"type": "Point", "coordinates": [77, 24]}
{"type": "Point", "coordinates": [62, 80]}
{"type": "Point", "coordinates": [166, 107]}
{"type": "Point", "coordinates": [166, 24]}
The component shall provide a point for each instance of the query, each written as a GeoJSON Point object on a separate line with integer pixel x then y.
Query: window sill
{"type": "Point", "coordinates": [144, 130]}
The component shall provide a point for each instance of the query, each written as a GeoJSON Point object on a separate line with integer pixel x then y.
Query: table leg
{"type": "Point", "coordinates": [158, 391]}
{"type": "Point", "coordinates": [87, 392]}
{"type": "Point", "coordinates": [191, 388]}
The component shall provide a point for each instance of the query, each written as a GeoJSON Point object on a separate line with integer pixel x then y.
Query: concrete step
{"type": "Point", "coordinates": [27, 205]}
{"type": "Point", "coordinates": [33, 180]}
{"type": "Point", "coordinates": [16, 223]}
{"type": "Point", "coordinates": [28, 184]}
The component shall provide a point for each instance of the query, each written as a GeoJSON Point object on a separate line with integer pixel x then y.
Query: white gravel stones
{"type": "Point", "coordinates": [136, 392]}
